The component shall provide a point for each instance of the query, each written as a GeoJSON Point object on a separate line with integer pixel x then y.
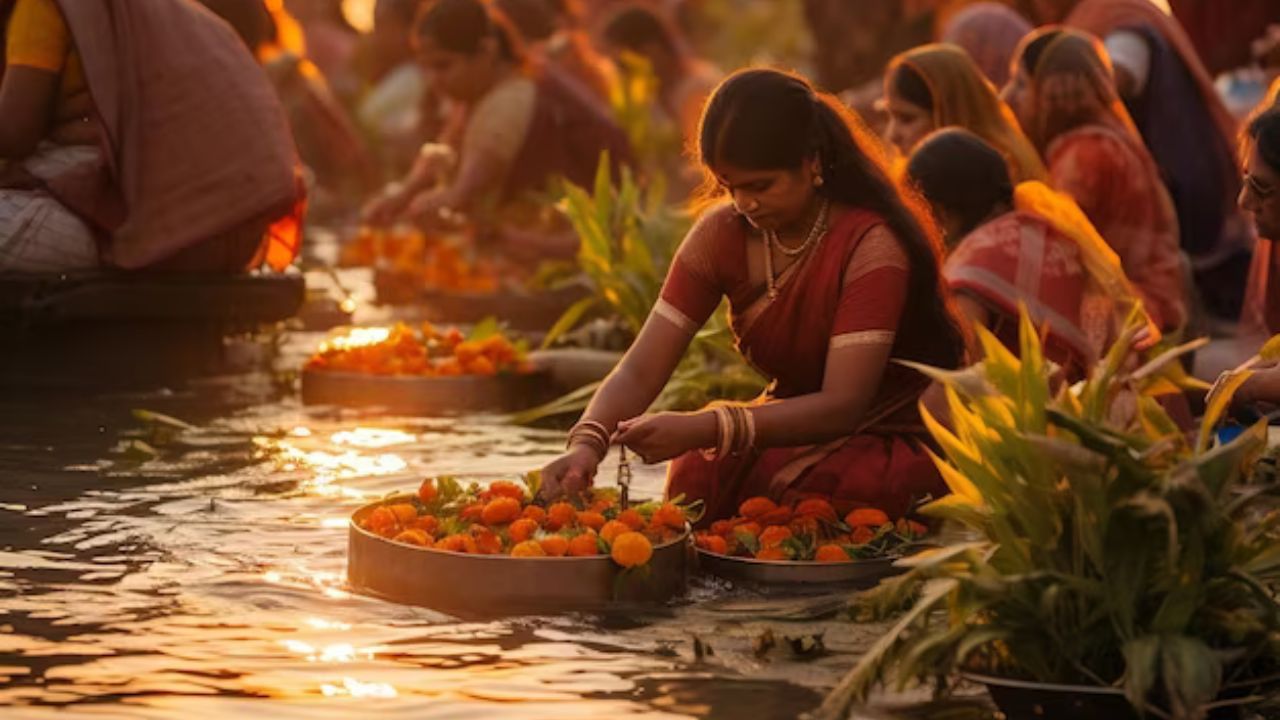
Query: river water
{"type": "Point", "coordinates": [156, 571]}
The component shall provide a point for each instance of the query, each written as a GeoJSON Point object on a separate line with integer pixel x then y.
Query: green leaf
{"type": "Point", "coordinates": [1140, 656]}
{"type": "Point", "coordinates": [1192, 674]}
{"type": "Point", "coordinates": [1216, 404]}
{"type": "Point", "coordinates": [569, 320]}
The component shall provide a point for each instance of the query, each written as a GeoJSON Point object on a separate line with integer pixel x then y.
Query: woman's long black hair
{"type": "Point", "coordinates": [460, 26]}
{"type": "Point", "coordinates": [763, 119]}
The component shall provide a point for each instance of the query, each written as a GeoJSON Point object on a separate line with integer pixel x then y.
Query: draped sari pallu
{"type": "Point", "coordinates": [1020, 258]}
{"type": "Point", "coordinates": [881, 462]}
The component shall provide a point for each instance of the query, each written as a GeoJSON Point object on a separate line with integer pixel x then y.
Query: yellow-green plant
{"type": "Point", "coordinates": [1110, 548]}
{"type": "Point", "coordinates": [628, 236]}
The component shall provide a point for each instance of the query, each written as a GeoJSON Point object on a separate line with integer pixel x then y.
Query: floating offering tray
{"type": "Point", "coordinates": [419, 395]}
{"type": "Point", "coordinates": [518, 309]}
{"type": "Point", "coordinates": [496, 585]}
{"type": "Point", "coordinates": [776, 572]}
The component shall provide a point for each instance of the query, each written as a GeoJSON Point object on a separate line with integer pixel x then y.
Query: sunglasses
{"type": "Point", "coordinates": [1262, 192]}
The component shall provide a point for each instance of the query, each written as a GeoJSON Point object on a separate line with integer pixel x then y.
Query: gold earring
{"type": "Point", "coordinates": [817, 181]}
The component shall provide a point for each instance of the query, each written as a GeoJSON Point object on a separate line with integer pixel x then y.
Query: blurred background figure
{"type": "Point", "coordinates": [326, 137]}
{"type": "Point", "coordinates": [331, 43]}
{"type": "Point", "coordinates": [939, 86]}
{"type": "Point", "coordinates": [684, 80]}
{"type": "Point", "coordinates": [1172, 99]}
{"type": "Point", "coordinates": [188, 171]}
{"type": "Point", "coordinates": [552, 32]}
{"type": "Point", "coordinates": [1065, 97]}
{"type": "Point", "coordinates": [518, 129]}
{"type": "Point", "coordinates": [397, 112]}
{"type": "Point", "coordinates": [990, 33]}
{"type": "Point", "coordinates": [1021, 246]}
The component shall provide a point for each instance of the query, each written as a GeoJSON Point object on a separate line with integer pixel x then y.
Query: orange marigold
{"type": "Point", "coordinates": [584, 545]}
{"type": "Point", "coordinates": [772, 553]}
{"type": "Point", "coordinates": [522, 530]}
{"type": "Point", "coordinates": [413, 537]}
{"type": "Point", "coordinates": [631, 549]}
{"type": "Point", "coordinates": [831, 553]}
{"type": "Point", "coordinates": [723, 527]}
{"type": "Point", "coordinates": [427, 524]}
{"type": "Point", "coordinates": [427, 490]}
{"type": "Point", "coordinates": [632, 519]}
{"type": "Point", "coordinates": [405, 512]}
{"type": "Point", "coordinates": [528, 548]}
{"type": "Point", "coordinates": [487, 541]}
{"type": "Point", "coordinates": [561, 515]}
{"type": "Point", "coordinates": [457, 543]}
{"type": "Point", "coordinates": [713, 543]}
{"type": "Point", "coordinates": [505, 488]}
{"type": "Point", "coordinates": [613, 529]}
{"type": "Point", "coordinates": [862, 535]}
{"type": "Point", "coordinates": [816, 508]}
{"type": "Point", "coordinates": [475, 512]}
{"type": "Point", "coordinates": [591, 519]}
{"type": "Point", "coordinates": [756, 506]}
{"type": "Point", "coordinates": [669, 515]}
{"type": "Point", "coordinates": [555, 545]}
{"type": "Point", "coordinates": [773, 536]}
{"type": "Point", "coordinates": [535, 513]}
{"type": "Point", "coordinates": [500, 511]}
{"type": "Point", "coordinates": [382, 521]}
{"type": "Point", "coordinates": [777, 516]}
{"type": "Point", "coordinates": [871, 517]}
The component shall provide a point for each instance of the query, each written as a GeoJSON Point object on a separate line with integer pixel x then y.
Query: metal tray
{"type": "Point", "coordinates": [519, 310]}
{"type": "Point", "coordinates": [412, 395]}
{"type": "Point", "coordinates": [768, 572]}
{"type": "Point", "coordinates": [499, 585]}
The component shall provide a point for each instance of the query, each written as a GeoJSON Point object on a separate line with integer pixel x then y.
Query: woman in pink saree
{"type": "Point", "coordinates": [831, 273]}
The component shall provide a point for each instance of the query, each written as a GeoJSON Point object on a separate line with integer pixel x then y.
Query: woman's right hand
{"type": "Point", "coordinates": [386, 207]}
{"type": "Point", "coordinates": [570, 474]}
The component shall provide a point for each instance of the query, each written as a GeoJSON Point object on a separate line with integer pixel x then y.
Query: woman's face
{"type": "Point", "coordinates": [769, 199]}
{"type": "Point", "coordinates": [1017, 94]}
{"type": "Point", "coordinates": [457, 75]}
{"type": "Point", "coordinates": [908, 123]}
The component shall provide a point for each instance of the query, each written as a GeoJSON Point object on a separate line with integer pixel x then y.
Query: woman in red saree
{"type": "Point", "coordinates": [1027, 246]}
{"type": "Point", "coordinates": [1065, 97]}
{"type": "Point", "coordinates": [830, 274]}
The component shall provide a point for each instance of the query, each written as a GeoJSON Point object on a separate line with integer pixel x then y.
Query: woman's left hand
{"type": "Point", "coordinates": [661, 437]}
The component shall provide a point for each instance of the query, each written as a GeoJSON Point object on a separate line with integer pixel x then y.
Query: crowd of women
{"type": "Point", "coordinates": [1073, 157]}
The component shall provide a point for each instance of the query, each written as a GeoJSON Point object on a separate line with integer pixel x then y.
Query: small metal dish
{"type": "Point", "coordinates": [769, 572]}
{"type": "Point", "coordinates": [499, 585]}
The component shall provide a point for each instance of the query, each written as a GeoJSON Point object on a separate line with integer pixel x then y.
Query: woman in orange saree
{"type": "Point", "coordinates": [1065, 96]}
{"type": "Point", "coordinates": [830, 274]}
{"type": "Point", "coordinates": [937, 86]}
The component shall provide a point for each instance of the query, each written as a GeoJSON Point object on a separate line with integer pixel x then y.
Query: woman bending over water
{"type": "Point", "coordinates": [830, 274]}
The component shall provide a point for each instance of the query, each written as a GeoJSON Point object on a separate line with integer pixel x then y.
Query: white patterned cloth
{"type": "Point", "coordinates": [38, 233]}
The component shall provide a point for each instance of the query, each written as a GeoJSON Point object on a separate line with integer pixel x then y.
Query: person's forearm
{"type": "Point", "coordinates": [806, 420]}
{"type": "Point", "coordinates": [624, 394]}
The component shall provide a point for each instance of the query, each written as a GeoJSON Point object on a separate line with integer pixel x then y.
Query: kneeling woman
{"type": "Point", "coordinates": [830, 275]}
{"type": "Point", "coordinates": [1025, 246]}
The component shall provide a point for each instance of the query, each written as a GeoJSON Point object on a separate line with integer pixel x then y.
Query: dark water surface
{"type": "Point", "coordinates": [153, 572]}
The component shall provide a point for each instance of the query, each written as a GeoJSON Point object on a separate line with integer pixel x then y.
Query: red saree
{"type": "Point", "coordinates": [1021, 258]}
{"type": "Point", "coordinates": [820, 306]}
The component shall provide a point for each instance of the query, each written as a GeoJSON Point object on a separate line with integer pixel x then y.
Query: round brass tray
{"type": "Point", "coordinates": [769, 572]}
{"type": "Point", "coordinates": [526, 310]}
{"type": "Point", "coordinates": [499, 585]}
{"type": "Point", "coordinates": [412, 395]}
